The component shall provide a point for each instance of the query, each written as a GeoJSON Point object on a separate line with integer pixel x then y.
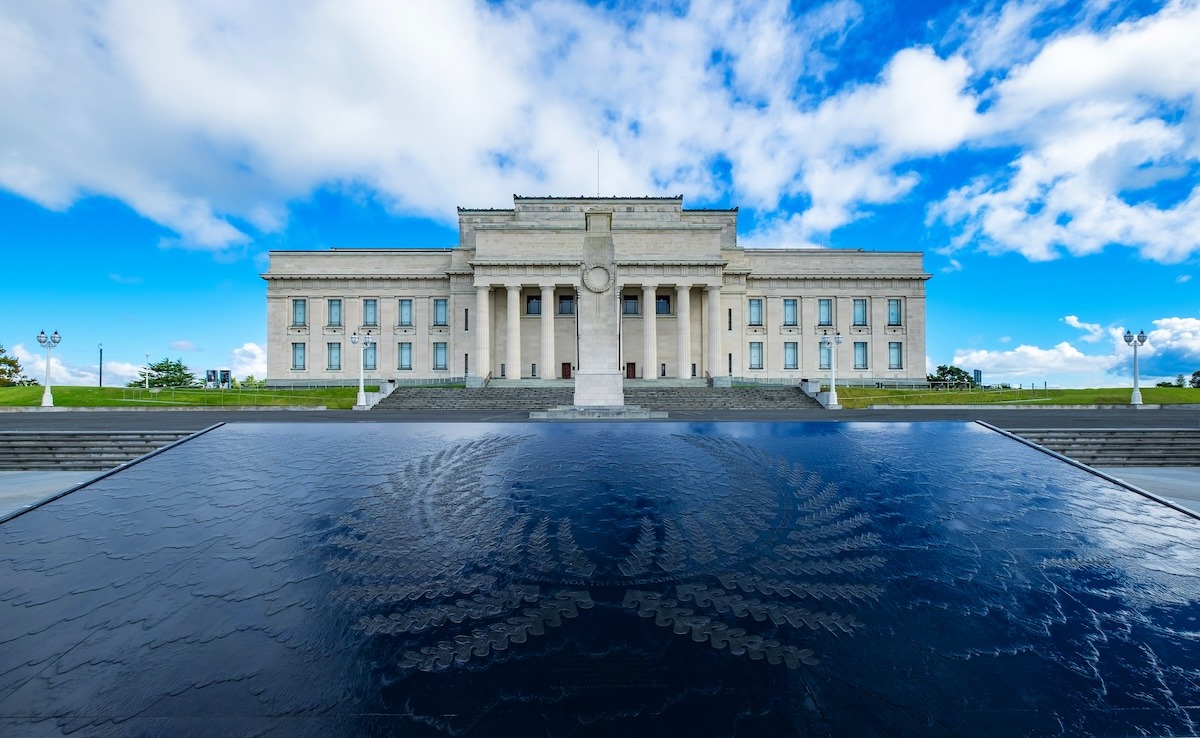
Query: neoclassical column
{"type": "Point", "coordinates": [649, 332]}
{"type": "Point", "coordinates": [713, 294]}
{"type": "Point", "coordinates": [483, 330]}
{"type": "Point", "coordinates": [683, 298]}
{"type": "Point", "coordinates": [546, 365]}
{"type": "Point", "coordinates": [512, 370]}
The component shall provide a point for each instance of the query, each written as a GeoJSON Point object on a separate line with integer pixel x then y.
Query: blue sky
{"type": "Point", "coordinates": [1044, 155]}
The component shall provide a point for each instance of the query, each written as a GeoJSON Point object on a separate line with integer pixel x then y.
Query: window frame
{"type": "Point", "coordinates": [791, 355]}
{"type": "Point", "coordinates": [861, 346]}
{"type": "Point", "coordinates": [401, 363]}
{"type": "Point", "coordinates": [442, 348]}
{"type": "Point", "coordinates": [895, 354]}
{"type": "Point", "coordinates": [824, 312]}
{"type": "Point", "coordinates": [404, 312]}
{"type": "Point", "coordinates": [631, 300]}
{"type": "Point", "coordinates": [370, 314]}
{"type": "Point", "coordinates": [755, 363]}
{"type": "Point", "coordinates": [299, 309]}
{"type": "Point", "coordinates": [754, 305]}
{"type": "Point", "coordinates": [441, 312]}
{"type": "Point", "coordinates": [569, 301]}
{"type": "Point", "coordinates": [861, 316]}
{"type": "Point", "coordinates": [333, 305]}
{"type": "Point", "coordinates": [299, 348]}
{"type": "Point", "coordinates": [791, 312]}
{"type": "Point", "coordinates": [825, 355]}
{"type": "Point", "coordinates": [533, 304]}
{"type": "Point", "coordinates": [370, 357]}
{"type": "Point", "coordinates": [333, 348]}
{"type": "Point", "coordinates": [895, 312]}
{"type": "Point", "coordinates": [661, 301]}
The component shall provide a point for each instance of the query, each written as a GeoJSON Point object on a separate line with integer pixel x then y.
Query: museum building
{"type": "Point", "coordinates": [501, 305]}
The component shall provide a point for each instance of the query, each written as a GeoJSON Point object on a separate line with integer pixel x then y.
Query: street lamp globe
{"type": "Point", "coordinates": [831, 345]}
{"type": "Point", "coordinates": [366, 341]}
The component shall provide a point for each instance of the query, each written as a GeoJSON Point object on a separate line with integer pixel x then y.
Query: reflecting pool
{"type": "Point", "coordinates": [601, 579]}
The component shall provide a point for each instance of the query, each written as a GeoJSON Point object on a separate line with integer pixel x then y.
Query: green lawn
{"type": "Point", "coordinates": [334, 398]}
{"type": "Point", "coordinates": [861, 397]}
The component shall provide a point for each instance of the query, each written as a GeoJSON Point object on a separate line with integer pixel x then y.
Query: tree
{"type": "Point", "coordinates": [167, 373]}
{"type": "Point", "coordinates": [251, 383]}
{"type": "Point", "coordinates": [11, 373]}
{"type": "Point", "coordinates": [1195, 381]}
{"type": "Point", "coordinates": [1179, 381]}
{"type": "Point", "coordinates": [952, 375]}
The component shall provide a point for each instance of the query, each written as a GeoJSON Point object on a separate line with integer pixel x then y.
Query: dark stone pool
{"type": "Point", "coordinates": [725, 579]}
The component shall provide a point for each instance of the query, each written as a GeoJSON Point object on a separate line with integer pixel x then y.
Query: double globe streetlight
{"type": "Point", "coordinates": [1135, 341]}
{"type": "Point", "coordinates": [832, 345]}
{"type": "Point", "coordinates": [48, 342]}
{"type": "Point", "coordinates": [362, 360]}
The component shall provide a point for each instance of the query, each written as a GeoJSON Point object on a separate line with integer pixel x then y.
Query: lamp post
{"type": "Point", "coordinates": [147, 370]}
{"type": "Point", "coordinates": [101, 382]}
{"type": "Point", "coordinates": [362, 360]}
{"type": "Point", "coordinates": [49, 342]}
{"type": "Point", "coordinates": [1135, 341]}
{"type": "Point", "coordinates": [832, 346]}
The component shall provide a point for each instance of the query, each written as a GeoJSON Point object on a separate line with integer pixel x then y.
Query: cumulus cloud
{"type": "Point", "coordinates": [1093, 330]}
{"type": "Point", "coordinates": [1107, 148]}
{"type": "Point", "coordinates": [247, 359]}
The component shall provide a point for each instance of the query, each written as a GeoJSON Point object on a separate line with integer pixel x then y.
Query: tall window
{"type": "Point", "coordinates": [895, 355]}
{"type": "Point", "coordinates": [335, 312]}
{"type": "Point", "coordinates": [440, 312]}
{"type": "Point", "coordinates": [297, 356]}
{"type": "Point", "coordinates": [790, 315]}
{"type": "Point", "coordinates": [369, 357]}
{"type": "Point", "coordinates": [371, 312]}
{"type": "Point", "coordinates": [629, 304]}
{"type": "Point", "coordinates": [439, 356]}
{"type": "Point", "coordinates": [662, 304]}
{"type": "Point", "coordinates": [406, 317]}
{"type": "Point", "coordinates": [299, 312]}
{"type": "Point", "coordinates": [791, 355]}
{"type": "Point", "coordinates": [754, 314]}
{"type": "Point", "coordinates": [566, 304]}
{"type": "Point", "coordinates": [894, 311]}
{"type": "Point", "coordinates": [860, 311]}
{"type": "Point", "coordinates": [404, 359]}
{"type": "Point", "coordinates": [533, 305]}
{"type": "Point", "coordinates": [333, 355]}
{"type": "Point", "coordinates": [824, 356]}
{"type": "Point", "coordinates": [825, 311]}
{"type": "Point", "coordinates": [756, 355]}
{"type": "Point", "coordinates": [860, 354]}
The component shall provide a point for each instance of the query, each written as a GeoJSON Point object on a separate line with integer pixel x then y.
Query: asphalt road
{"type": "Point", "coordinates": [1175, 416]}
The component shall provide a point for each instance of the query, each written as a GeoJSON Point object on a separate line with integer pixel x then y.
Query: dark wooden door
{"type": "Point", "coordinates": [631, 370]}
{"type": "Point", "coordinates": [566, 370]}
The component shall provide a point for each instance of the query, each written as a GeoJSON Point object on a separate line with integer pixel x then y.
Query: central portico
{"type": "Point", "coordinates": [596, 290]}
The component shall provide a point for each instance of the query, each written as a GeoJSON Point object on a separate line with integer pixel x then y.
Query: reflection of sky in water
{"type": "Point", "coordinates": [593, 579]}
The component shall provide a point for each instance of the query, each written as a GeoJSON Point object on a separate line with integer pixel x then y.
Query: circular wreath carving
{"type": "Point", "coordinates": [597, 278]}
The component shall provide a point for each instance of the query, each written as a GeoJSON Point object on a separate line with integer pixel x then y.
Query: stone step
{"type": "Point", "coordinates": [1120, 446]}
{"type": "Point", "coordinates": [90, 451]}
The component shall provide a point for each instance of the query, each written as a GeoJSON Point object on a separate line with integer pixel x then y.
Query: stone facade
{"type": "Point", "coordinates": [505, 302]}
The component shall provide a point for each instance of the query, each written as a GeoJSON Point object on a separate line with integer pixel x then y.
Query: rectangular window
{"type": "Point", "coordinates": [860, 354]}
{"type": "Point", "coordinates": [440, 314]}
{"type": "Point", "coordinates": [791, 355]}
{"type": "Point", "coordinates": [756, 355]}
{"type": "Point", "coordinates": [297, 356]}
{"type": "Point", "coordinates": [566, 304]}
{"type": "Point", "coordinates": [754, 314]}
{"type": "Point", "coordinates": [825, 311]}
{"type": "Point", "coordinates": [333, 354]}
{"type": "Point", "coordinates": [894, 311]}
{"type": "Point", "coordinates": [335, 313]}
{"type": "Point", "coordinates": [406, 317]}
{"type": "Point", "coordinates": [439, 356]}
{"type": "Point", "coordinates": [895, 356]}
{"type": "Point", "coordinates": [466, 319]}
{"type": "Point", "coordinates": [824, 356]}
{"type": "Point", "coordinates": [369, 357]}
{"type": "Point", "coordinates": [371, 312]}
{"type": "Point", "coordinates": [790, 316]}
{"type": "Point", "coordinates": [629, 304]}
{"type": "Point", "coordinates": [533, 305]}
{"type": "Point", "coordinates": [860, 311]}
{"type": "Point", "coordinates": [299, 313]}
{"type": "Point", "coordinates": [662, 304]}
{"type": "Point", "coordinates": [404, 359]}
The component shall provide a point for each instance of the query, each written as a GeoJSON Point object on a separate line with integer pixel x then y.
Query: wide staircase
{"type": "Point", "coordinates": [1121, 446]}
{"type": "Point", "coordinates": [78, 451]}
{"type": "Point", "coordinates": [689, 397]}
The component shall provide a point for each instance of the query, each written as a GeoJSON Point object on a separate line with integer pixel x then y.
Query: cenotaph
{"type": "Point", "coordinates": [598, 381]}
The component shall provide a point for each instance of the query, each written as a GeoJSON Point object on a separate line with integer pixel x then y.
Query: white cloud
{"type": "Point", "coordinates": [1101, 121]}
{"type": "Point", "coordinates": [1093, 330]}
{"type": "Point", "coordinates": [954, 265]}
{"type": "Point", "coordinates": [182, 346]}
{"type": "Point", "coordinates": [1025, 363]}
{"type": "Point", "coordinates": [249, 358]}
{"type": "Point", "coordinates": [1183, 278]}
